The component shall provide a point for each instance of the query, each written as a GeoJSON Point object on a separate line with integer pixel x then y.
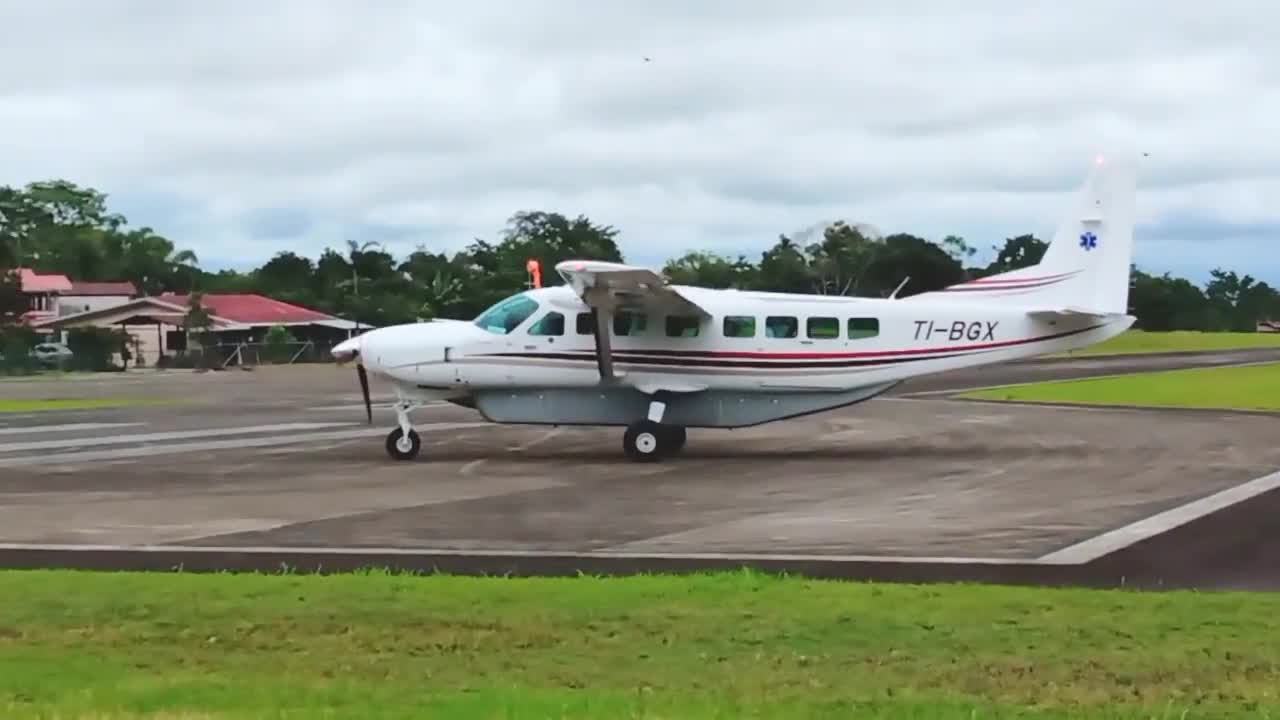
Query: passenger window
{"type": "Point", "coordinates": [824, 328]}
{"type": "Point", "coordinates": [862, 328]}
{"type": "Point", "coordinates": [739, 326]}
{"type": "Point", "coordinates": [627, 323]}
{"type": "Point", "coordinates": [586, 324]}
{"type": "Point", "coordinates": [682, 326]}
{"type": "Point", "coordinates": [550, 324]}
{"type": "Point", "coordinates": [781, 327]}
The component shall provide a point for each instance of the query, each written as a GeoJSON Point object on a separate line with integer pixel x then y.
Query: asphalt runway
{"type": "Point", "coordinates": [258, 469]}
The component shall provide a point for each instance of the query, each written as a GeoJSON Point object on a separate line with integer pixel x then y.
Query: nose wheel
{"type": "Point", "coordinates": [403, 443]}
{"type": "Point", "coordinates": [402, 446]}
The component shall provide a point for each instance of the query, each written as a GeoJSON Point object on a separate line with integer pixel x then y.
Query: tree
{"type": "Point", "coordinates": [957, 248]}
{"type": "Point", "coordinates": [708, 269]}
{"type": "Point", "coordinates": [1162, 303]}
{"type": "Point", "coordinates": [552, 238]}
{"type": "Point", "coordinates": [1018, 252]}
{"type": "Point", "coordinates": [925, 266]}
{"type": "Point", "coordinates": [277, 342]}
{"type": "Point", "coordinates": [289, 277]}
{"type": "Point", "coordinates": [57, 226]}
{"type": "Point", "coordinates": [12, 302]}
{"type": "Point", "coordinates": [784, 268]}
{"type": "Point", "coordinates": [198, 325]}
{"type": "Point", "coordinates": [839, 262]}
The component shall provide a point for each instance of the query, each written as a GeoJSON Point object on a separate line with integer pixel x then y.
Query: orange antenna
{"type": "Point", "coordinates": [535, 272]}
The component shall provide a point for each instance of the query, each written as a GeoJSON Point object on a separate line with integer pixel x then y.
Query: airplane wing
{"type": "Point", "coordinates": [613, 286]}
{"type": "Point", "coordinates": [609, 287]}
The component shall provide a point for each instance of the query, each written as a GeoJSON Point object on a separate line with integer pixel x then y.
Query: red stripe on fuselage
{"type": "Point", "coordinates": [751, 355]}
{"type": "Point", "coordinates": [1036, 278]}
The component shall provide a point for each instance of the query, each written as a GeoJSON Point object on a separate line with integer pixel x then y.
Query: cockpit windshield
{"type": "Point", "coordinates": [507, 315]}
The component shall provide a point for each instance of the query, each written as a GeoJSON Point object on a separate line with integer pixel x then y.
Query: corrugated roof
{"type": "Point", "coordinates": [35, 283]}
{"type": "Point", "coordinates": [252, 309]}
{"type": "Point", "coordinates": [126, 289]}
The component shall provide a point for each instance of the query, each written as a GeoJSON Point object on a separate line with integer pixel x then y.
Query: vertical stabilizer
{"type": "Point", "coordinates": [1086, 265]}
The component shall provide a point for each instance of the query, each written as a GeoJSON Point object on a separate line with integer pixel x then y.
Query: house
{"type": "Point", "coordinates": [157, 322]}
{"type": "Point", "coordinates": [86, 296]}
{"type": "Point", "coordinates": [1269, 326]}
{"type": "Point", "coordinates": [50, 296]}
{"type": "Point", "coordinates": [42, 293]}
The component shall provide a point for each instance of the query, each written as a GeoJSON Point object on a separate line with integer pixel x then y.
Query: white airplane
{"type": "Point", "coordinates": [619, 346]}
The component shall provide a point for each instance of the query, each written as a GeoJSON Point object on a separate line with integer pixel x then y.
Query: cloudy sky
{"type": "Point", "coordinates": [240, 129]}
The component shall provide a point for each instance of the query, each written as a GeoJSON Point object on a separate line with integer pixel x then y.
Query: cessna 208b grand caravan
{"type": "Point", "coordinates": [619, 346]}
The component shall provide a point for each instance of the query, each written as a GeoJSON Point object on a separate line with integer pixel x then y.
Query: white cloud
{"type": "Point", "coordinates": [241, 128]}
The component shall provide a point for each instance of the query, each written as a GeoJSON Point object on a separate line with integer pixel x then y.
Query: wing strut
{"type": "Point", "coordinates": [603, 317]}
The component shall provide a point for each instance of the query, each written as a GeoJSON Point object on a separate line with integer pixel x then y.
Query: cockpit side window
{"type": "Point", "coordinates": [507, 315]}
{"type": "Point", "coordinates": [551, 324]}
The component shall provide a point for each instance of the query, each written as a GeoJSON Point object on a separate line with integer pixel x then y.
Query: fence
{"type": "Point", "coordinates": [248, 354]}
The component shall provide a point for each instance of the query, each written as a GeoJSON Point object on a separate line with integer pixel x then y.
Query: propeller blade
{"type": "Point", "coordinates": [364, 390]}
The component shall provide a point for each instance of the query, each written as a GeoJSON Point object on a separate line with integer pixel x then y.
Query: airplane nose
{"type": "Point", "coordinates": [346, 350]}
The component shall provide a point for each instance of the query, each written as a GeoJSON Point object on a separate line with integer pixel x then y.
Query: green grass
{"type": "Point", "coordinates": [42, 404]}
{"type": "Point", "coordinates": [1139, 341]}
{"type": "Point", "coordinates": [725, 646]}
{"type": "Point", "coordinates": [1243, 387]}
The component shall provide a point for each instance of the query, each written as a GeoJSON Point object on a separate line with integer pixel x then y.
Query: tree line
{"type": "Point", "coordinates": [57, 226]}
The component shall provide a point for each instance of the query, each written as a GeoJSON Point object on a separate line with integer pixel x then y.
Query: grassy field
{"type": "Point", "coordinates": [41, 404]}
{"type": "Point", "coordinates": [725, 646]}
{"type": "Point", "coordinates": [1246, 387]}
{"type": "Point", "coordinates": [1138, 341]}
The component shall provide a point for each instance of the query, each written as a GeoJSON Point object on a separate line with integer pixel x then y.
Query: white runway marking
{"type": "Point", "coordinates": [190, 447]}
{"type": "Point", "coordinates": [1123, 537]}
{"type": "Point", "coordinates": [70, 427]}
{"type": "Point", "coordinates": [162, 436]}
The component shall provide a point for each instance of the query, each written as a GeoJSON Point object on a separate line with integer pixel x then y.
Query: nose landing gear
{"type": "Point", "coordinates": [403, 447]}
{"type": "Point", "coordinates": [403, 443]}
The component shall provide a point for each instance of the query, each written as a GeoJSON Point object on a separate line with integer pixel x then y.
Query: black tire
{"type": "Point", "coordinates": [645, 441]}
{"type": "Point", "coordinates": [675, 439]}
{"type": "Point", "coordinates": [398, 453]}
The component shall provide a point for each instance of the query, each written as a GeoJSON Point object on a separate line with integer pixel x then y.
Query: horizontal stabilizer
{"type": "Point", "coordinates": [1072, 312]}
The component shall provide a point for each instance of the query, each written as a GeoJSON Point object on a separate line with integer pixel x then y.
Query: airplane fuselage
{"type": "Point", "coordinates": [750, 342]}
{"type": "Point", "coordinates": [618, 345]}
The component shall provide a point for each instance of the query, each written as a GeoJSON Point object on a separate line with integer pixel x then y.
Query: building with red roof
{"type": "Point", "coordinates": [253, 309]}
{"type": "Point", "coordinates": [86, 296]}
{"type": "Point", "coordinates": [157, 322]}
{"type": "Point", "coordinates": [42, 293]}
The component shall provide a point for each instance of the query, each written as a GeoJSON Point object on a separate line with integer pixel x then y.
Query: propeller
{"type": "Point", "coordinates": [364, 390]}
{"type": "Point", "coordinates": [345, 354]}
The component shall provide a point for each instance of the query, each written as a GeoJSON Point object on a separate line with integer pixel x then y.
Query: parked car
{"type": "Point", "coordinates": [51, 353]}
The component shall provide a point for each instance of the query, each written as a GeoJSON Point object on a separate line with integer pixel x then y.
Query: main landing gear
{"type": "Point", "coordinates": [649, 439]}
{"type": "Point", "coordinates": [403, 443]}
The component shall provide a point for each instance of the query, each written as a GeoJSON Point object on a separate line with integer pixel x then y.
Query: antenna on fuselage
{"type": "Point", "coordinates": [894, 294]}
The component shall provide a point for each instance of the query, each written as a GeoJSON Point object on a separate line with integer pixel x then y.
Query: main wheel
{"type": "Point", "coordinates": [675, 438]}
{"type": "Point", "coordinates": [403, 447]}
{"type": "Point", "coordinates": [645, 441]}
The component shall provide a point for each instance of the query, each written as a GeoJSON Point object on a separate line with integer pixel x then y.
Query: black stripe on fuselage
{"type": "Point", "coordinates": [625, 359]}
{"type": "Point", "coordinates": [714, 358]}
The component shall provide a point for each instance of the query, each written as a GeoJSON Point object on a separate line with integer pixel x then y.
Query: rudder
{"type": "Point", "coordinates": [1086, 264]}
